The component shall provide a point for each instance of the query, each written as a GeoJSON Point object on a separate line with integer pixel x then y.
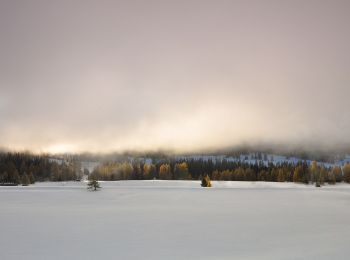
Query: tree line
{"type": "Point", "coordinates": [196, 169]}
{"type": "Point", "coordinates": [24, 168]}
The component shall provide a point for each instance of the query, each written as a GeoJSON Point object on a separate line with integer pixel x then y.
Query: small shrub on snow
{"type": "Point", "coordinates": [206, 181]}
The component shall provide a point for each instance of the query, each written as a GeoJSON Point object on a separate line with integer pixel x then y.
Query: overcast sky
{"type": "Point", "coordinates": [106, 76]}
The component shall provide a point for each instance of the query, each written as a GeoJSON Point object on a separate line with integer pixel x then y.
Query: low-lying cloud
{"type": "Point", "coordinates": [175, 75]}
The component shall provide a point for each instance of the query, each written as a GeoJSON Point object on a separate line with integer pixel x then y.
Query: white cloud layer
{"type": "Point", "coordinates": [184, 75]}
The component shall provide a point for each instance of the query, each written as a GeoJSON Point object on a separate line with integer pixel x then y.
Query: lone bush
{"type": "Point", "coordinates": [206, 181]}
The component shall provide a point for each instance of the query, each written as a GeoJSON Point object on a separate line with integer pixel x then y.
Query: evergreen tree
{"type": "Point", "coordinates": [93, 185]}
{"type": "Point", "coordinates": [31, 178]}
{"type": "Point", "coordinates": [4, 177]}
{"type": "Point", "coordinates": [25, 180]}
{"type": "Point", "coordinates": [16, 179]}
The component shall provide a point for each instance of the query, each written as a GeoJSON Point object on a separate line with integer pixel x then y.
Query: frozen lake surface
{"type": "Point", "coordinates": [175, 220]}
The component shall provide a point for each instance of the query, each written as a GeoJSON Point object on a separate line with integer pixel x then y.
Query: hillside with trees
{"type": "Point", "coordinates": [24, 168]}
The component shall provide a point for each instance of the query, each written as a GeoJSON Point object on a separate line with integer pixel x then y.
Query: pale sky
{"type": "Point", "coordinates": [105, 76]}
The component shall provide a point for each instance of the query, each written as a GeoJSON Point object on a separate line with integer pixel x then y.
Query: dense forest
{"type": "Point", "coordinates": [24, 168]}
{"type": "Point", "coordinates": [222, 170]}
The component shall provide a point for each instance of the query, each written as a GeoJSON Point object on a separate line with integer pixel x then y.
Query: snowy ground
{"type": "Point", "coordinates": [175, 220]}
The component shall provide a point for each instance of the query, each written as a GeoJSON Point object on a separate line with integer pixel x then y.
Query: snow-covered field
{"type": "Point", "coordinates": [175, 220]}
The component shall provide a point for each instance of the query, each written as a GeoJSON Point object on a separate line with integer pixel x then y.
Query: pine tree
{"type": "Point", "coordinates": [4, 177]}
{"type": "Point", "coordinates": [16, 177]}
{"type": "Point", "coordinates": [25, 180]}
{"type": "Point", "coordinates": [93, 185]}
{"type": "Point", "coordinates": [31, 178]}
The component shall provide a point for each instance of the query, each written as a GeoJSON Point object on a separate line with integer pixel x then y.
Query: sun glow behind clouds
{"type": "Point", "coordinates": [148, 76]}
{"type": "Point", "coordinates": [194, 130]}
{"type": "Point", "coordinates": [60, 148]}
